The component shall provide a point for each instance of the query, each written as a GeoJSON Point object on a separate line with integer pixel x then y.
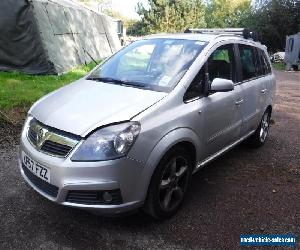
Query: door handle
{"type": "Point", "coordinates": [239, 102]}
{"type": "Point", "coordinates": [263, 91]}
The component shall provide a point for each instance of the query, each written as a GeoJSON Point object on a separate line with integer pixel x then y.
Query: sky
{"type": "Point", "coordinates": [127, 7]}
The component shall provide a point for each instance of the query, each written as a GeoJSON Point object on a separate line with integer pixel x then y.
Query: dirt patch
{"type": "Point", "coordinates": [246, 191]}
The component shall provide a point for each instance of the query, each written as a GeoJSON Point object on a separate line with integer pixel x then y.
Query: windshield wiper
{"type": "Point", "coordinates": [118, 81]}
{"type": "Point", "coordinates": [103, 79]}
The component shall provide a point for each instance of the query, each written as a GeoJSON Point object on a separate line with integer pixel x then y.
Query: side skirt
{"type": "Point", "coordinates": [200, 165]}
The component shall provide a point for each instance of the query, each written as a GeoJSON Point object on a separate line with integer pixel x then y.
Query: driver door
{"type": "Point", "coordinates": [221, 111]}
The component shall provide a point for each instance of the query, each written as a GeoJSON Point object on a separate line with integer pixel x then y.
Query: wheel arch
{"type": "Point", "coordinates": [181, 137]}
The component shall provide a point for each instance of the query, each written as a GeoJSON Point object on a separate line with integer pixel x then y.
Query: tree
{"type": "Point", "coordinates": [171, 15]}
{"type": "Point", "coordinates": [227, 13]}
{"type": "Point", "coordinates": [274, 20]}
{"type": "Point", "coordinates": [136, 28]}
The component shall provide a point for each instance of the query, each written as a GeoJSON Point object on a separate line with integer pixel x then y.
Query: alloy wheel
{"type": "Point", "coordinates": [265, 123]}
{"type": "Point", "coordinates": [173, 183]}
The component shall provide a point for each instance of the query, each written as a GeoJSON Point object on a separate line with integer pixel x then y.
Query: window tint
{"type": "Point", "coordinates": [221, 63]}
{"type": "Point", "coordinates": [263, 65]}
{"type": "Point", "coordinates": [247, 61]}
{"type": "Point", "coordinates": [266, 64]}
{"type": "Point", "coordinates": [259, 63]}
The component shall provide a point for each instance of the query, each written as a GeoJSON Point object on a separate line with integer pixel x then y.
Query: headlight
{"type": "Point", "coordinates": [108, 143]}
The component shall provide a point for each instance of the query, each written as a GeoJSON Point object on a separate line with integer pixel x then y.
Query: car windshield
{"type": "Point", "coordinates": [156, 64]}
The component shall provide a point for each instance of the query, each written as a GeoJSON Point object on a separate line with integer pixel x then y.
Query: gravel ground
{"type": "Point", "coordinates": [246, 191]}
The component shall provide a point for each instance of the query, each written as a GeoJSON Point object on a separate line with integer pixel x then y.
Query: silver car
{"type": "Point", "coordinates": [131, 133]}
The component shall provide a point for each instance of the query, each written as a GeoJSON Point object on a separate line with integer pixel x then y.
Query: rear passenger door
{"type": "Point", "coordinates": [266, 73]}
{"type": "Point", "coordinates": [253, 86]}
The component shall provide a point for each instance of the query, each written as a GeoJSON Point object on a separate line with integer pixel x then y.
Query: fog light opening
{"type": "Point", "coordinates": [107, 197]}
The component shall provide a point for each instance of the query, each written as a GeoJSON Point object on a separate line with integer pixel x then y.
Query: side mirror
{"type": "Point", "coordinates": [221, 85]}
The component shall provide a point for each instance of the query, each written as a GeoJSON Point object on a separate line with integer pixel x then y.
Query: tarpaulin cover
{"type": "Point", "coordinates": [52, 36]}
{"type": "Point", "coordinates": [20, 44]}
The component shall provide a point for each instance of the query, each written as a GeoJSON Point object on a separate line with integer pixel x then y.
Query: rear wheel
{"type": "Point", "coordinates": [259, 137]}
{"type": "Point", "coordinates": [169, 184]}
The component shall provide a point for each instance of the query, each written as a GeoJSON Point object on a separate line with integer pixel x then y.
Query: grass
{"type": "Point", "coordinates": [19, 91]}
{"type": "Point", "coordinates": [278, 66]}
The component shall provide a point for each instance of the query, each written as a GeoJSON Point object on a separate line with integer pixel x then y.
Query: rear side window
{"type": "Point", "coordinates": [247, 61]}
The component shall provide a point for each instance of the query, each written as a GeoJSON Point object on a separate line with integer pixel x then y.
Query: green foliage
{"type": "Point", "coordinates": [227, 13]}
{"type": "Point", "coordinates": [136, 28]}
{"type": "Point", "coordinates": [274, 19]}
{"type": "Point", "coordinates": [278, 66]}
{"type": "Point", "coordinates": [177, 15]}
{"type": "Point", "coordinates": [18, 90]}
{"type": "Point", "coordinates": [171, 15]}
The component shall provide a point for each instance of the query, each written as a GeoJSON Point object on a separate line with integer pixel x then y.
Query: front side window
{"type": "Point", "coordinates": [156, 64]}
{"type": "Point", "coordinates": [247, 61]}
{"type": "Point", "coordinates": [221, 63]}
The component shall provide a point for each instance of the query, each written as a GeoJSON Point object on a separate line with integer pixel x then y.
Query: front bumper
{"type": "Point", "coordinates": [121, 174]}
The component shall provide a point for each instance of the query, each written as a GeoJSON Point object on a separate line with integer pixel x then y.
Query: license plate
{"type": "Point", "coordinates": [36, 168]}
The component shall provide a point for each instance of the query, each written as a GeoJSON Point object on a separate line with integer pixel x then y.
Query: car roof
{"type": "Point", "coordinates": [203, 37]}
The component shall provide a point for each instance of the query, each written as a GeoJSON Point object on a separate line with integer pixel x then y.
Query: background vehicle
{"type": "Point", "coordinates": [132, 132]}
{"type": "Point", "coordinates": [277, 57]}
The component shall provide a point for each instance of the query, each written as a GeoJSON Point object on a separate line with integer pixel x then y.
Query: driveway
{"type": "Point", "coordinates": [246, 191]}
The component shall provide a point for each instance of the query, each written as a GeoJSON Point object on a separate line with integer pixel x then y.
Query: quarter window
{"type": "Point", "coordinates": [263, 66]}
{"type": "Point", "coordinates": [196, 87]}
{"type": "Point", "coordinates": [260, 69]}
{"type": "Point", "coordinates": [266, 64]}
{"type": "Point", "coordinates": [247, 61]}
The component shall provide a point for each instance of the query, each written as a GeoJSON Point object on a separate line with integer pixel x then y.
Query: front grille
{"type": "Point", "coordinates": [40, 184]}
{"type": "Point", "coordinates": [55, 148]}
{"type": "Point", "coordinates": [89, 197]}
{"type": "Point", "coordinates": [50, 140]}
{"type": "Point", "coordinates": [32, 136]}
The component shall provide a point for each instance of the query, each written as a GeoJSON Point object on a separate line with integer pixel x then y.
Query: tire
{"type": "Point", "coordinates": [259, 138]}
{"type": "Point", "coordinates": [169, 184]}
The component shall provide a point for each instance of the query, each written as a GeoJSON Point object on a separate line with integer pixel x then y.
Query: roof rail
{"type": "Point", "coordinates": [244, 32]}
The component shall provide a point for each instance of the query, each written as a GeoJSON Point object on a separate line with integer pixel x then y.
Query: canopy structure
{"type": "Point", "coordinates": [292, 51]}
{"type": "Point", "coordinates": [52, 36]}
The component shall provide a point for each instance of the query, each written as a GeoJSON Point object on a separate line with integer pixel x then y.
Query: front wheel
{"type": "Point", "coordinates": [169, 184]}
{"type": "Point", "coordinates": [259, 137]}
